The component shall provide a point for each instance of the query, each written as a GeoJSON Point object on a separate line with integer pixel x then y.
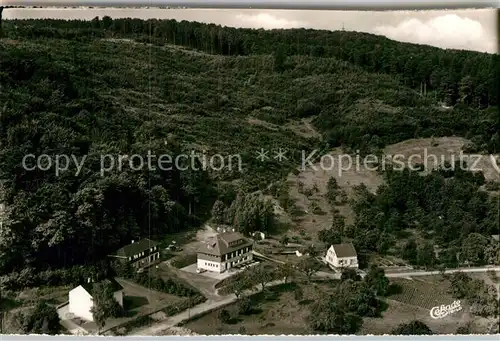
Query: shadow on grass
{"type": "Point", "coordinates": [234, 320]}
{"type": "Point", "coordinates": [394, 289]}
{"type": "Point", "coordinates": [8, 304]}
{"type": "Point", "coordinates": [383, 307]}
{"type": "Point", "coordinates": [132, 303]}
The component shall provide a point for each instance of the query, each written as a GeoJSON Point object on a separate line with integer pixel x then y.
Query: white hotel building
{"type": "Point", "coordinates": [224, 251]}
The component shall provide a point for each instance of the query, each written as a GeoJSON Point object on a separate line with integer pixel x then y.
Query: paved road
{"type": "Point", "coordinates": [200, 309]}
{"type": "Point", "coordinates": [450, 271]}
{"type": "Point", "coordinates": [67, 323]}
{"type": "Point", "coordinates": [214, 304]}
{"type": "Point", "coordinates": [415, 273]}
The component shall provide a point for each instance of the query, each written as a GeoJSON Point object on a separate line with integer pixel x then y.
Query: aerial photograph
{"type": "Point", "coordinates": [176, 170]}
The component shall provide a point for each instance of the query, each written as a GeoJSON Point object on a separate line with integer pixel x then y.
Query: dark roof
{"type": "Point", "coordinates": [224, 243]}
{"type": "Point", "coordinates": [89, 287]}
{"type": "Point", "coordinates": [135, 248]}
{"type": "Point", "coordinates": [345, 250]}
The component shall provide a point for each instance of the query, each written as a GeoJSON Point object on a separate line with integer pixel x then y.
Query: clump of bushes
{"type": "Point", "coordinates": [76, 275]}
{"type": "Point", "coordinates": [184, 305]}
{"type": "Point", "coordinates": [181, 262]}
{"type": "Point", "coordinates": [170, 286]}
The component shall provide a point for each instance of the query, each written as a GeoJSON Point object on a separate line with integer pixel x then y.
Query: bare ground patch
{"type": "Point", "coordinates": [445, 149]}
{"type": "Point", "coordinates": [261, 123]}
{"type": "Point", "coordinates": [304, 224]}
{"type": "Point", "coordinates": [308, 190]}
{"type": "Point", "coordinates": [304, 128]}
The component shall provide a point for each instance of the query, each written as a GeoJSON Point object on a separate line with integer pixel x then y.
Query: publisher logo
{"type": "Point", "coordinates": [444, 310]}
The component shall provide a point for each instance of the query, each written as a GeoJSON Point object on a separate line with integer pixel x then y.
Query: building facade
{"type": "Point", "coordinates": [225, 251]}
{"type": "Point", "coordinates": [139, 254]}
{"type": "Point", "coordinates": [81, 301]}
{"type": "Point", "coordinates": [342, 256]}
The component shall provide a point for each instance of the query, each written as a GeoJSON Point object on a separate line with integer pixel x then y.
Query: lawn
{"type": "Point", "coordinates": [139, 302]}
{"type": "Point", "coordinates": [279, 311]}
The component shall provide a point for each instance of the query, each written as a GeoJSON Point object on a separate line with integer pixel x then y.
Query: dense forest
{"type": "Point", "coordinates": [456, 76]}
{"type": "Point", "coordinates": [66, 87]}
{"type": "Point", "coordinates": [469, 79]}
{"type": "Point", "coordinates": [446, 209]}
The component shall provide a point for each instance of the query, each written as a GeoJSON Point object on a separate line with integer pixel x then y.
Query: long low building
{"type": "Point", "coordinates": [224, 251]}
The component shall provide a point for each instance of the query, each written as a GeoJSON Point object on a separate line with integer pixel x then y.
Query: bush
{"type": "Point", "coordinates": [76, 275]}
{"type": "Point", "coordinates": [307, 108]}
{"type": "Point", "coordinates": [224, 316]}
{"type": "Point", "coordinates": [141, 321]}
{"type": "Point", "coordinates": [184, 261]}
{"type": "Point", "coordinates": [41, 320]}
{"type": "Point", "coordinates": [245, 306]}
{"type": "Point", "coordinates": [170, 286]}
{"type": "Point", "coordinates": [187, 304]}
{"type": "Point", "coordinates": [492, 185]}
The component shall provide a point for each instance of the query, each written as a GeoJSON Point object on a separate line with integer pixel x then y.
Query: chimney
{"type": "Point", "coordinates": [89, 280]}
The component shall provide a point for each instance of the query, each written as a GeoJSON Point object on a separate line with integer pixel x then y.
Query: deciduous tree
{"type": "Point", "coordinates": [415, 327]}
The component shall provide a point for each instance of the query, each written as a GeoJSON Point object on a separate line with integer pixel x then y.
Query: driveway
{"type": "Point", "coordinates": [210, 274]}
{"type": "Point", "coordinates": [205, 284]}
{"type": "Point", "coordinates": [68, 323]}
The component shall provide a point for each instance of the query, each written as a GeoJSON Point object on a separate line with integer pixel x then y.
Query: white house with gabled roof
{"type": "Point", "coordinates": [342, 256]}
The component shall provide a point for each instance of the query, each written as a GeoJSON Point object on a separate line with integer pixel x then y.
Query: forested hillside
{"type": "Point", "coordinates": [456, 76]}
{"type": "Point", "coordinates": [68, 88]}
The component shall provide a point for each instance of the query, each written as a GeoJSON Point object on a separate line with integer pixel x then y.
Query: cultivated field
{"type": "Point", "coordinates": [423, 293]}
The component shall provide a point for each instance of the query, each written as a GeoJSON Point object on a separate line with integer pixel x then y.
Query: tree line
{"type": "Point", "coordinates": [453, 76]}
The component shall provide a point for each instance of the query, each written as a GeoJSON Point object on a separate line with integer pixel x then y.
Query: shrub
{"type": "Point", "coordinates": [184, 261]}
{"type": "Point", "coordinates": [245, 306]}
{"type": "Point", "coordinates": [184, 305]}
{"type": "Point", "coordinates": [224, 316]}
{"type": "Point", "coordinates": [170, 286]}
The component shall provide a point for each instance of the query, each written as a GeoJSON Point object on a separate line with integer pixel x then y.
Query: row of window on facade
{"type": "Point", "coordinates": [211, 264]}
{"type": "Point", "coordinates": [235, 253]}
{"type": "Point", "coordinates": [230, 255]}
{"type": "Point", "coordinates": [141, 254]}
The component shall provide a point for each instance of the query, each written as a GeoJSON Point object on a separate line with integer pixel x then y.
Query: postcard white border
{"type": "Point", "coordinates": [292, 4]}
